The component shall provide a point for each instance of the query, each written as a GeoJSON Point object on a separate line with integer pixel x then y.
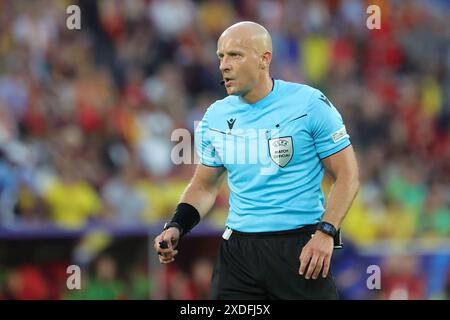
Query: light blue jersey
{"type": "Point", "coordinates": [272, 151]}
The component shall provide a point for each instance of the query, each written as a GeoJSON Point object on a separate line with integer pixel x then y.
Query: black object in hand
{"type": "Point", "coordinates": [163, 245]}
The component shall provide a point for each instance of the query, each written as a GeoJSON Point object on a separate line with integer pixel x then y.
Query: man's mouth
{"type": "Point", "coordinates": [227, 81]}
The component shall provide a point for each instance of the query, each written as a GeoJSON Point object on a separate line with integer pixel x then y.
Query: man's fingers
{"type": "Point", "coordinates": [326, 267]}
{"type": "Point", "coordinates": [311, 267]}
{"type": "Point", "coordinates": [167, 257]}
{"type": "Point", "coordinates": [163, 259]}
{"type": "Point", "coordinates": [166, 261]}
{"type": "Point", "coordinates": [305, 256]}
{"type": "Point", "coordinates": [318, 268]}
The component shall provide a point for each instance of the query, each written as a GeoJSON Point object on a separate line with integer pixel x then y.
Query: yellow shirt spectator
{"type": "Point", "coordinates": [72, 204]}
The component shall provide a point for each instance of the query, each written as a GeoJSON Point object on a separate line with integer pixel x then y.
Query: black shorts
{"type": "Point", "coordinates": [265, 266]}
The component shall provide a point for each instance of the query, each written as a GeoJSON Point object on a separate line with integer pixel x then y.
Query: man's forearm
{"type": "Point", "coordinates": [341, 196]}
{"type": "Point", "coordinates": [203, 200]}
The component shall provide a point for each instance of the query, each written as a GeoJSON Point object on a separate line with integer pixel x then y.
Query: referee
{"type": "Point", "coordinates": [279, 237]}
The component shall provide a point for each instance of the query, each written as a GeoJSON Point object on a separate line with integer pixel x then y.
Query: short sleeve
{"type": "Point", "coordinates": [203, 145]}
{"type": "Point", "coordinates": [326, 126]}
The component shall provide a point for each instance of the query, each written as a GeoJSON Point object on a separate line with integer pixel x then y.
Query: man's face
{"type": "Point", "coordinates": [239, 64]}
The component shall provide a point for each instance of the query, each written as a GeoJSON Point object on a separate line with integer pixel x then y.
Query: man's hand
{"type": "Point", "coordinates": [315, 255]}
{"type": "Point", "coordinates": [170, 237]}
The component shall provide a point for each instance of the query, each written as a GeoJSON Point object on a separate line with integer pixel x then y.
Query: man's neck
{"type": "Point", "coordinates": [261, 90]}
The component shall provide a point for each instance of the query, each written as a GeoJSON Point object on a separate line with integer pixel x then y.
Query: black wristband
{"type": "Point", "coordinates": [327, 228]}
{"type": "Point", "coordinates": [186, 217]}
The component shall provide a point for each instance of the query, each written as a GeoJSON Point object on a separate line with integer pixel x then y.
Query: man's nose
{"type": "Point", "coordinates": [224, 65]}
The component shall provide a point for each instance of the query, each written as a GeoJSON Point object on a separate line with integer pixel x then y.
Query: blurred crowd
{"type": "Point", "coordinates": [111, 272]}
{"type": "Point", "coordinates": [48, 281]}
{"type": "Point", "coordinates": [86, 116]}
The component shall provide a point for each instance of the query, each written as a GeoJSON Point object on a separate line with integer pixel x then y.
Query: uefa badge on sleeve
{"type": "Point", "coordinates": [281, 150]}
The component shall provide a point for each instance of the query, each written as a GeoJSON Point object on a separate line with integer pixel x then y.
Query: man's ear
{"type": "Point", "coordinates": [265, 60]}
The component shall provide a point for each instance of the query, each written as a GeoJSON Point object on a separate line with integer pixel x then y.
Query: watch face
{"type": "Point", "coordinates": [327, 228]}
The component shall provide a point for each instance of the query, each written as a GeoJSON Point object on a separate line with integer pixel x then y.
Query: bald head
{"type": "Point", "coordinates": [245, 53]}
{"type": "Point", "coordinates": [249, 34]}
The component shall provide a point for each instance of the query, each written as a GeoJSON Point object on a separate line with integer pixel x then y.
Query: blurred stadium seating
{"type": "Point", "coordinates": [86, 118]}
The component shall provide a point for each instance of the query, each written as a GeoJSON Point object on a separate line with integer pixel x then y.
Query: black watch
{"type": "Point", "coordinates": [168, 225]}
{"type": "Point", "coordinates": [327, 228]}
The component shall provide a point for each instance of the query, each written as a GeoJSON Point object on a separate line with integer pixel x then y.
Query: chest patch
{"type": "Point", "coordinates": [281, 150]}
